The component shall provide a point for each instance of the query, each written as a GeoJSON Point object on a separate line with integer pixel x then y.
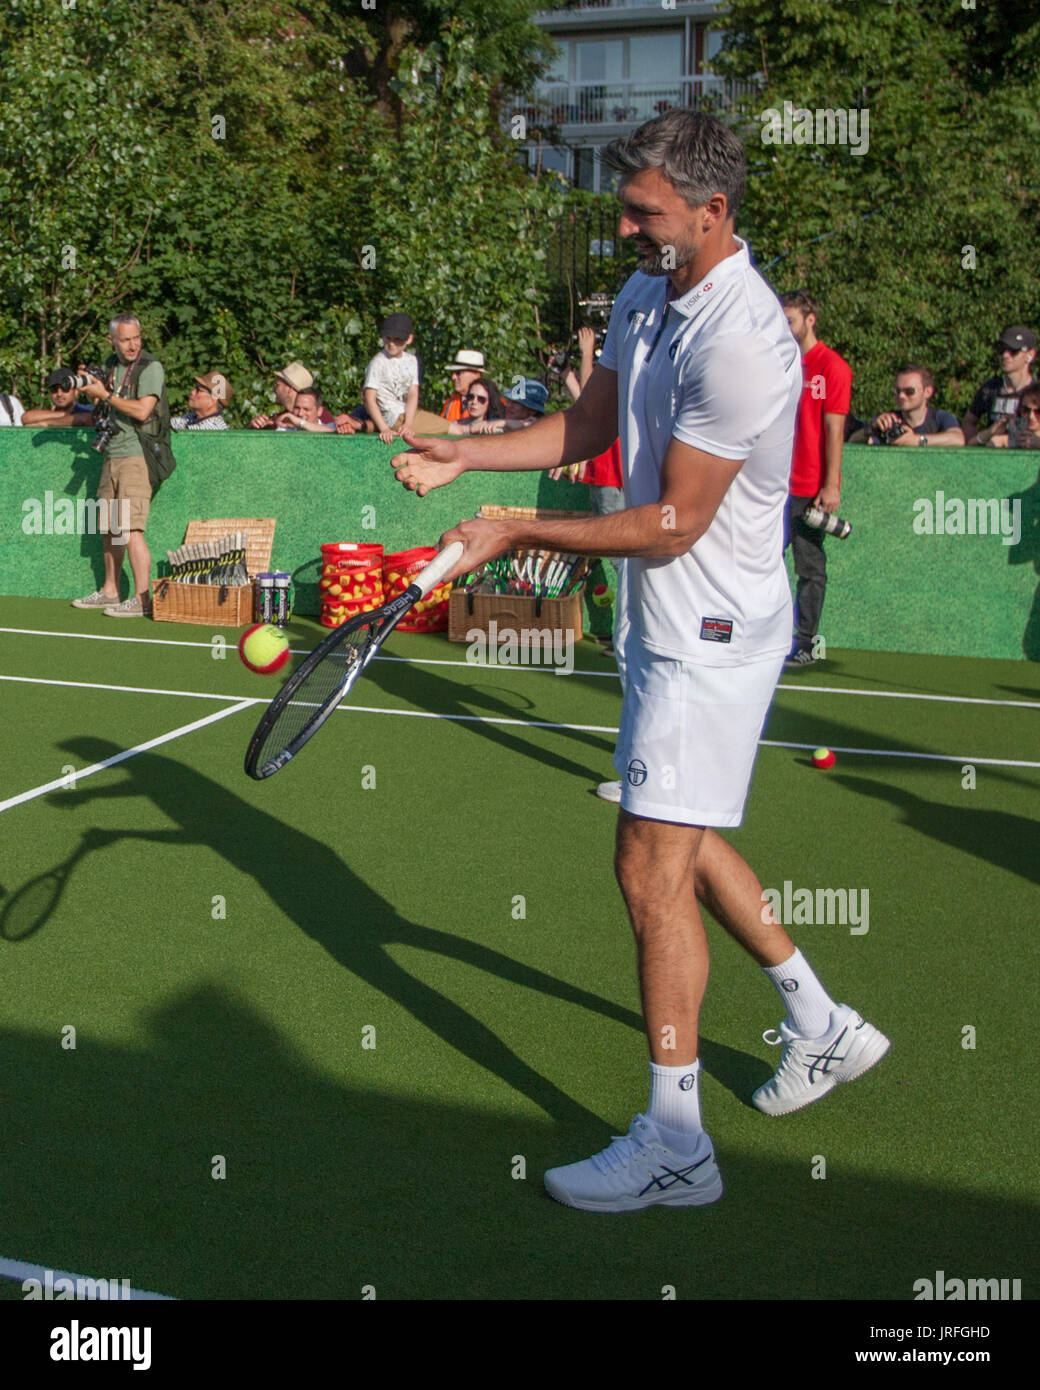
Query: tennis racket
{"type": "Point", "coordinates": [324, 677]}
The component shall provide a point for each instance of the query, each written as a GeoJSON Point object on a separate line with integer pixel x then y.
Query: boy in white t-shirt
{"type": "Point", "coordinates": [391, 390]}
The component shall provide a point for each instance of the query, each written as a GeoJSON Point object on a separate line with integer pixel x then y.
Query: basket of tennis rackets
{"type": "Point", "coordinates": [211, 576]}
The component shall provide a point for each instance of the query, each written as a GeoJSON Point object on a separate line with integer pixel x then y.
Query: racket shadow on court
{"type": "Point", "coordinates": [32, 906]}
{"type": "Point", "coordinates": [429, 690]}
{"type": "Point", "coordinates": [314, 888]}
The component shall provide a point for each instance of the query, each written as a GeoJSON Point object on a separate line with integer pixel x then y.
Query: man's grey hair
{"type": "Point", "coordinates": [113, 324]}
{"type": "Point", "coordinates": [693, 150]}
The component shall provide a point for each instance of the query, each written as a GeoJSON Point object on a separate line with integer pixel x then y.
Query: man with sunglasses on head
{"type": "Point", "coordinates": [206, 402]}
{"type": "Point", "coordinates": [917, 421]}
{"type": "Point", "coordinates": [998, 396]}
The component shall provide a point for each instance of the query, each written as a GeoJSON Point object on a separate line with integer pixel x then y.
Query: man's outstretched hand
{"type": "Point", "coordinates": [430, 463]}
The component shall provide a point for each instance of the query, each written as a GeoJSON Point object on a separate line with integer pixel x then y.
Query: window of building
{"type": "Point", "coordinates": [655, 57]}
{"type": "Point", "coordinates": [600, 60]}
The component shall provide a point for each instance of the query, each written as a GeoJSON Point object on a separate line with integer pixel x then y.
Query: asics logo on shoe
{"type": "Point", "coordinates": [670, 1177]}
{"type": "Point", "coordinates": [826, 1057]}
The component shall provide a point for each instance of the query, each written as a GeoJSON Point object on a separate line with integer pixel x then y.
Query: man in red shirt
{"type": "Point", "coordinates": [819, 436]}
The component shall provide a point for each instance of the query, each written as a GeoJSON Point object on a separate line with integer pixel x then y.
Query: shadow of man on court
{"type": "Point", "coordinates": [312, 886]}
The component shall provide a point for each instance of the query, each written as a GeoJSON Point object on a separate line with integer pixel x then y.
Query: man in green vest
{"type": "Point", "coordinates": [134, 387]}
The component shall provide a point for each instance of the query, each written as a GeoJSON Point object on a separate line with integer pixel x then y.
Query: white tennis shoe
{"type": "Point", "coordinates": [811, 1067]}
{"type": "Point", "coordinates": [609, 791]}
{"type": "Point", "coordinates": [638, 1170]}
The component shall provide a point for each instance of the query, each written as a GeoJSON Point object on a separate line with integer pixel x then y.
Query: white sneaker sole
{"type": "Point", "coordinates": [873, 1048]}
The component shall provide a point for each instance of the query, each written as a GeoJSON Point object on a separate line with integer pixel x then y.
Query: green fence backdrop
{"type": "Point", "coordinates": [910, 578]}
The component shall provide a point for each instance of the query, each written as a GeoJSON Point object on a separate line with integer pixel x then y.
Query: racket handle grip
{"type": "Point", "coordinates": [438, 567]}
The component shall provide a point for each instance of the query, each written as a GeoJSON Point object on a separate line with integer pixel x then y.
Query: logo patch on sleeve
{"type": "Point", "coordinates": [716, 629]}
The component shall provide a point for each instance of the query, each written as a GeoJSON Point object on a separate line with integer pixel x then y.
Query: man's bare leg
{"type": "Point", "coordinates": [654, 862]}
{"type": "Point", "coordinates": [727, 886]}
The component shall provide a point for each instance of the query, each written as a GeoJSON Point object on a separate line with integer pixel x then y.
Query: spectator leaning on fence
{"type": "Point", "coordinates": [468, 366]}
{"type": "Point", "coordinates": [295, 377]}
{"type": "Point", "coordinates": [11, 410]}
{"type": "Point", "coordinates": [1018, 431]}
{"type": "Point", "coordinates": [485, 409]}
{"type": "Point", "coordinates": [206, 401]}
{"type": "Point", "coordinates": [997, 397]}
{"type": "Point", "coordinates": [914, 421]}
{"type": "Point", "coordinates": [64, 411]}
{"type": "Point", "coordinates": [306, 414]}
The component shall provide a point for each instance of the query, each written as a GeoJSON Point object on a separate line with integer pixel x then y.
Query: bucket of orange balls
{"type": "Point", "coordinates": [430, 614]}
{"type": "Point", "coordinates": [351, 581]}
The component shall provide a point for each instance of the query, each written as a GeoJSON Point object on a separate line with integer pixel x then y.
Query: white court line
{"type": "Point", "coordinates": [459, 719]}
{"type": "Point", "coordinates": [17, 1269]}
{"type": "Point", "coordinates": [545, 670]}
{"type": "Point", "coordinates": [129, 689]}
{"type": "Point", "coordinates": [60, 782]}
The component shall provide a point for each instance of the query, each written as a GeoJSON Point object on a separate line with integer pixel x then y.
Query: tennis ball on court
{"type": "Point", "coordinates": [264, 648]}
{"type": "Point", "coordinates": [823, 757]}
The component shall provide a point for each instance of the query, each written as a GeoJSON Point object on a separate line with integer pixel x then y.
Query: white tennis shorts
{"type": "Point", "coordinates": [689, 734]}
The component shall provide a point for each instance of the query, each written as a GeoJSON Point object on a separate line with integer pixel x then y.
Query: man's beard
{"type": "Point", "coordinates": [653, 262]}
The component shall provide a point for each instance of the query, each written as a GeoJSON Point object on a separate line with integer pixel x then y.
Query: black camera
{"type": "Point", "coordinates": [105, 431]}
{"type": "Point", "coordinates": [893, 432]}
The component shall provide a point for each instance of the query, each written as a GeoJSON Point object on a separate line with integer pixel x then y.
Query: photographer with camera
{"type": "Point", "coordinates": [65, 411]}
{"type": "Point", "coordinates": [133, 433]}
{"type": "Point", "coordinates": [914, 422]}
{"type": "Point", "coordinates": [815, 487]}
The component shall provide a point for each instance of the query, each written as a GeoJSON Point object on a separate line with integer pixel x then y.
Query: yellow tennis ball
{"type": "Point", "coordinates": [264, 648]}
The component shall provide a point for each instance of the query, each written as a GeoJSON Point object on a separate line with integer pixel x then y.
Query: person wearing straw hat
{"type": "Point", "coordinates": [466, 368]}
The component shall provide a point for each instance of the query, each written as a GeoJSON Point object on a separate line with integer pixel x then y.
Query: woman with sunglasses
{"type": "Point", "coordinates": [484, 405]}
{"type": "Point", "coordinates": [1021, 430]}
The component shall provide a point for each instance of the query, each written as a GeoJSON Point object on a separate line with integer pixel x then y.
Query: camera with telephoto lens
{"type": "Point", "coordinates": [75, 381]}
{"type": "Point", "coordinates": [829, 524]}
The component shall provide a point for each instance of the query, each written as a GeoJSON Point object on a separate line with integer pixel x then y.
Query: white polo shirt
{"type": "Point", "coordinates": [717, 369]}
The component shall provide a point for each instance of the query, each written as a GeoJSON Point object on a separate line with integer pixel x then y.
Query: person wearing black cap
{"type": "Point", "coordinates": [997, 398]}
{"type": "Point", "coordinates": [391, 387]}
{"type": "Point", "coordinates": [64, 411]}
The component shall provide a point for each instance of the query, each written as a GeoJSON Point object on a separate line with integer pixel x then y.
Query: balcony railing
{"type": "Point", "coordinates": [618, 5]}
{"type": "Point", "coordinates": [625, 103]}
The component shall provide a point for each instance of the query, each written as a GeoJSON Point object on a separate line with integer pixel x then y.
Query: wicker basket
{"type": "Point", "coordinates": [213, 605]}
{"type": "Point", "coordinates": [513, 613]}
{"type": "Point", "coordinates": [517, 613]}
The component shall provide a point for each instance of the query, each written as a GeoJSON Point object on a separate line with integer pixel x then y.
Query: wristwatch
{"type": "Point", "coordinates": [922, 439]}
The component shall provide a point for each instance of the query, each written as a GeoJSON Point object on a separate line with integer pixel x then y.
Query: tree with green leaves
{"type": "Point", "coordinates": [921, 245]}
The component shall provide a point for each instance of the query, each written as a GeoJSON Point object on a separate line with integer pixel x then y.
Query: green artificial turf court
{"type": "Point", "coordinates": [228, 952]}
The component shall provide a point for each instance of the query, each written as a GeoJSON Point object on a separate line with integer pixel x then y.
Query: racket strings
{"type": "Point", "coordinates": [327, 681]}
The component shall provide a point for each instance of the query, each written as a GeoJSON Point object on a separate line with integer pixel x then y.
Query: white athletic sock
{"type": "Point", "coordinates": [809, 1006]}
{"type": "Point", "coordinates": [675, 1103]}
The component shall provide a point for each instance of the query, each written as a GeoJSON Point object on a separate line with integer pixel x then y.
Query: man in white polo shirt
{"type": "Point", "coordinates": [701, 378]}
